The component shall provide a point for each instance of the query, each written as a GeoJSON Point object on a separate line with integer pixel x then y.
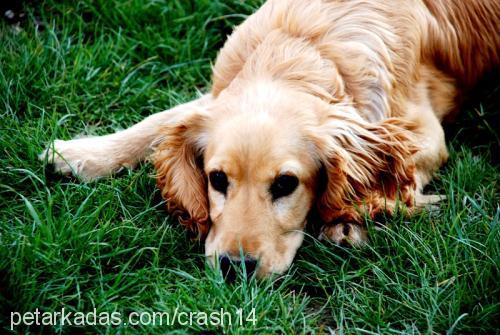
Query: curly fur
{"type": "Point", "coordinates": [365, 59]}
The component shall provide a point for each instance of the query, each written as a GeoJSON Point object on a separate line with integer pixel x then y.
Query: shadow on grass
{"type": "Point", "coordinates": [476, 125]}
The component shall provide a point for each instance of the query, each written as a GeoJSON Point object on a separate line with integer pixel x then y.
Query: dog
{"type": "Point", "coordinates": [332, 107]}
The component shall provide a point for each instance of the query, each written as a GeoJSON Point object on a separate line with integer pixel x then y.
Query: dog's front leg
{"type": "Point", "coordinates": [94, 157]}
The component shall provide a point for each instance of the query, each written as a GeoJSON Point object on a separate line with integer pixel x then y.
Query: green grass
{"type": "Point", "coordinates": [99, 66]}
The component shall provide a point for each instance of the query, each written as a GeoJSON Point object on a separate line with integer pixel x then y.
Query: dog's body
{"type": "Point", "coordinates": [334, 106]}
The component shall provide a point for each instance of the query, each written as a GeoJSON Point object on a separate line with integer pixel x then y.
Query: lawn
{"type": "Point", "coordinates": [99, 66]}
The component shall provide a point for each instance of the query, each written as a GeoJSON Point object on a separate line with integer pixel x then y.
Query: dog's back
{"type": "Point", "coordinates": [380, 51]}
{"type": "Point", "coordinates": [464, 37]}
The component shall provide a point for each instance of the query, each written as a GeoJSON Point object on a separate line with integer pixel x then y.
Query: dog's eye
{"type": "Point", "coordinates": [283, 185]}
{"type": "Point", "coordinates": [218, 180]}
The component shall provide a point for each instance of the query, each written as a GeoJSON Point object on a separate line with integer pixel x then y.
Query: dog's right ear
{"type": "Point", "coordinates": [178, 159]}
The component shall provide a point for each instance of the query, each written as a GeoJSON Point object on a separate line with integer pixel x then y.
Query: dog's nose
{"type": "Point", "coordinates": [228, 266]}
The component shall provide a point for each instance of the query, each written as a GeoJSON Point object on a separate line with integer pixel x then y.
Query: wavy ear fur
{"type": "Point", "coordinates": [178, 160]}
{"type": "Point", "coordinates": [368, 167]}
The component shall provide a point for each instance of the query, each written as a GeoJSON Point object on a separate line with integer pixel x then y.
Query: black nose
{"type": "Point", "coordinates": [228, 266]}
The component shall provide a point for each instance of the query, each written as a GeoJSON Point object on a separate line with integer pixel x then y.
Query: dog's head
{"type": "Point", "coordinates": [244, 172]}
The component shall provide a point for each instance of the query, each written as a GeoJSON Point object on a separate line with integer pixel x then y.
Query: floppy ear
{"type": "Point", "coordinates": [365, 164]}
{"type": "Point", "coordinates": [178, 160]}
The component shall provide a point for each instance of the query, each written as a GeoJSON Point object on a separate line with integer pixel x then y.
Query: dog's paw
{"type": "Point", "coordinates": [346, 234]}
{"type": "Point", "coordinates": [429, 202]}
{"type": "Point", "coordinates": [87, 158]}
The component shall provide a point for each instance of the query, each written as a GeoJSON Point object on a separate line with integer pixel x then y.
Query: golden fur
{"type": "Point", "coordinates": [348, 96]}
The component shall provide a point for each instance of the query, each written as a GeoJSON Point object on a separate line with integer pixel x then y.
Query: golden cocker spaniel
{"type": "Point", "coordinates": [327, 106]}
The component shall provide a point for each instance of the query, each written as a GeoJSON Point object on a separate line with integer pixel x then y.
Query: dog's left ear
{"type": "Point", "coordinates": [364, 164]}
{"type": "Point", "coordinates": [178, 160]}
